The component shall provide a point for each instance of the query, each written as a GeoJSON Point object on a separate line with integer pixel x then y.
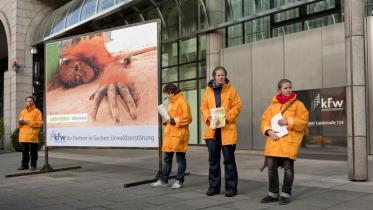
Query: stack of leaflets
{"type": "Point", "coordinates": [278, 129]}
{"type": "Point", "coordinates": [163, 112]}
{"type": "Point", "coordinates": [217, 118]}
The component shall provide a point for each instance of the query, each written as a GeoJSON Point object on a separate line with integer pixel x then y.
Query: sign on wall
{"type": "Point", "coordinates": [327, 109]}
{"type": "Point", "coordinates": [102, 88]}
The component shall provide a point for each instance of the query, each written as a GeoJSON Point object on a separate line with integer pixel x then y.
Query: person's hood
{"type": "Point", "coordinates": [212, 84]}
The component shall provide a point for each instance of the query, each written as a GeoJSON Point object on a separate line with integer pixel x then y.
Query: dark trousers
{"type": "Point", "coordinates": [167, 166]}
{"type": "Point", "coordinates": [30, 151]}
{"type": "Point", "coordinates": [273, 164]}
{"type": "Point", "coordinates": [230, 169]}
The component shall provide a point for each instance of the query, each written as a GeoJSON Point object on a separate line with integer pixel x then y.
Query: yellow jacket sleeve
{"type": "Point", "coordinates": [266, 120]}
{"type": "Point", "coordinates": [37, 122]}
{"type": "Point", "coordinates": [205, 108]}
{"type": "Point", "coordinates": [186, 117]}
{"type": "Point", "coordinates": [300, 121]}
{"type": "Point", "coordinates": [232, 114]}
{"type": "Point", "coordinates": [20, 117]}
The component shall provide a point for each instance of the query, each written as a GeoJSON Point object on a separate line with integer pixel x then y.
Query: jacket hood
{"type": "Point", "coordinates": [211, 82]}
{"type": "Point", "coordinates": [177, 96]}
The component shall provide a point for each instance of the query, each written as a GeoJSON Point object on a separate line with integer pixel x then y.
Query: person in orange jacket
{"type": "Point", "coordinates": [30, 121]}
{"type": "Point", "coordinates": [282, 151]}
{"type": "Point", "coordinates": [220, 93]}
{"type": "Point", "coordinates": [176, 136]}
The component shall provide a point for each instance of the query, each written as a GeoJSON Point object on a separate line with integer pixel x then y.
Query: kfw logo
{"type": "Point", "coordinates": [328, 104]}
{"type": "Point", "coordinates": [58, 137]}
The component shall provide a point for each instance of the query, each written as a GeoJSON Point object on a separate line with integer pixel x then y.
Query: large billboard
{"type": "Point", "coordinates": [102, 88]}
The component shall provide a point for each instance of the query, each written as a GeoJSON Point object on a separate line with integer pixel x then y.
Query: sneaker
{"type": "Point", "coordinates": [284, 200]}
{"type": "Point", "coordinates": [268, 199]}
{"type": "Point", "coordinates": [159, 183]}
{"type": "Point", "coordinates": [177, 185]}
{"type": "Point", "coordinates": [212, 191]}
{"type": "Point", "coordinates": [33, 168]}
{"type": "Point", "coordinates": [22, 168]}
{"type": "Point", "coordinates": [230, 193]}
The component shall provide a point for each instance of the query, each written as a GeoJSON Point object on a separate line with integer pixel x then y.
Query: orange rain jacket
{"type": "Point", "coordinates": [176, 137]}
{"type": "Point", "coordinates": [30, 132]}
{"type": "Point", "coordinates": [231, 102]}
{"type": "Point", "coordinates": [297, 117]}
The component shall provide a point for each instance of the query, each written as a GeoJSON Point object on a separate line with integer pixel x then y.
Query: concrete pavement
{"type": "Point", "coordinates": [319, 184]}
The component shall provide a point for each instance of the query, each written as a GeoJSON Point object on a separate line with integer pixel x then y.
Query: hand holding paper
{"type": "Point", "coordinates": [217, 118]}
{"type": "Point", "coordinates": [163, 112]}
{"type": "Point", "coordinates": [278, 129]}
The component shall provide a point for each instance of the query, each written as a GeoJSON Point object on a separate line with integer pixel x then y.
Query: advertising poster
{"type": "Point", "coordinates": [327, 118]}
{"type": "Point", "coordinates": [102, 89]}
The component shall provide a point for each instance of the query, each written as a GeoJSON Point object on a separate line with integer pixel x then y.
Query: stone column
{"type": "Point", "coordinates": [356, 91]}
{"type": "Point", "coordinates": [214, 40]}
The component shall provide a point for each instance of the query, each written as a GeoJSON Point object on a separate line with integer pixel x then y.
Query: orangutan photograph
{"type": "Point", "coordinates": [111, 77]}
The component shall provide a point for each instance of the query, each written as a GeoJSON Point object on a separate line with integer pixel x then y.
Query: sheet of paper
{"type": "Point", "coordinates": [217, 118]}
{"type": "Point", "coordinates": [163, 112]}
{"type": "Point", "coordinates": [280, 130]}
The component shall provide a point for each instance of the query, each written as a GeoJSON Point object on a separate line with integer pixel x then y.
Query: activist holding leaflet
{"type": "Point", "coordinates": [282, 151]}
{"type": "Point", "coordinates": [221, 94]}
{"type": "Point", "coordinates": [30, 122]}
{"type": "Point", "coordinates": [176, 136]}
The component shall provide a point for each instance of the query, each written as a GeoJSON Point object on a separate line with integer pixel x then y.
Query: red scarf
{"type": "Point", "coordinates": [283, 99]}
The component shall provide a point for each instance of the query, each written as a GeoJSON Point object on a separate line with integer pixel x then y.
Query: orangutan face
{"type": "Point", "coordinates": [74, 72]}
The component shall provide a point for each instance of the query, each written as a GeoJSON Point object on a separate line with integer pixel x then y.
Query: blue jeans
{"type": "Point", "coordinates": [167, 166]}
{"type": "Point", "coordinates": [273, 164]}
{"type": "Point", "coordinates": [230, 169]}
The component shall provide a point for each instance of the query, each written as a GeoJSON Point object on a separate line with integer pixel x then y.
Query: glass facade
{"type": "Point", "coordinates": [304, 17]}
{"type": "Point", "coordinates": [185, 27]}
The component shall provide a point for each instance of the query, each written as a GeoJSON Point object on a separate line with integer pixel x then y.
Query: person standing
{"type": "Point", "coordinates": [30, 122]}
{"type": "Point", "coordinates": [282, 151]}
{"type": "Point", "coordinates": [221, 93]}
{"type": "Point", "coordinates": [176, 136]}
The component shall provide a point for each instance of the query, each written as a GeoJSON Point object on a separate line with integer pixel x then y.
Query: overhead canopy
{"type": "Point", "coordinates": [75, 13]}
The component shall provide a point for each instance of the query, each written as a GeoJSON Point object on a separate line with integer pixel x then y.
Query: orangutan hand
{"type": "Point", "coordinates": [126, 94]}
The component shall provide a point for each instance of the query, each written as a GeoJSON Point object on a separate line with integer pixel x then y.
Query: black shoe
{"type": "Point", "coordinates": [230, 193]}
{"type": "Point", "coordinates": [268, 199]}
{"type": "Point", "coordinates": [212, 191]}
{"type": "Point", "coordinates": [33, 168]}
{"type": "Point", "coordinates": [22, 168]}
{"type": "Point", "coordinates": [284, 201]}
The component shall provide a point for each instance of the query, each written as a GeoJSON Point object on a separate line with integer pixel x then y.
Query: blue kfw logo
{"type": "Point", "coordinates": [58, 137]}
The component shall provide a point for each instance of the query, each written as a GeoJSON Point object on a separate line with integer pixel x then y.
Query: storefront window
{"type": "Point", "coordinates": [201, 89]}
{"type": "Point", "coordinates": [169, 54]}
{"type": "Point", "coordinates": [202, 69]}
{"type": "Point", "coordinates": [189, 9]}
{"type": "Point", "coordinates": [189, 89]}
{"type": "Point", "coordinates": [188, 71]}
{"type": "Point", "coordinates": [258, 29]}
{"type": "Point", "coordinates": [234, 8]}
{"type": "Point", "coordinates": [320, 6]}
{"type": "Point", "coordinates": [188, 50]}
{"type": "Point", "coordinates": [202, 47]}
{"type": "Point", "coordinates": [170, 14]}
{"type": "Point", "coordinates": [322, 21]}
{"type": "Point", "coordinates": [234, 35]}
{"type": "Point", "coordinates": [169, 75]}
{"type": "Point", "coordinates": [287, 29]}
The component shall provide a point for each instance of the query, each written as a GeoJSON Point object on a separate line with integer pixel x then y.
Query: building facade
{"type": "Point", "coordinates": [259, 41]}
